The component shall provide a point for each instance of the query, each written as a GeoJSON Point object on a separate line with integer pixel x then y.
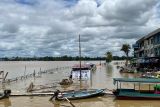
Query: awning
{"type": "Point", "coordinates": [139, 80]}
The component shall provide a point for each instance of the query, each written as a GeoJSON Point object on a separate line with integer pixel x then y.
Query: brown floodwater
{"type": "Point", "coordinates": [101, 78]}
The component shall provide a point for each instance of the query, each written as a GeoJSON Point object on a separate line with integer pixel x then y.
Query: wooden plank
{"type": "Point", "coordinates": [32, 94]}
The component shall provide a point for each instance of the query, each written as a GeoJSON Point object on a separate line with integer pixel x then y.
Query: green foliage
{"type": "Point", "coordinates": [126, 49]}
{"type": "Point", "coordinates": [109, 56]}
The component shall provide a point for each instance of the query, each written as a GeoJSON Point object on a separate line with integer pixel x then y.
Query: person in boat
{"type": "Point", "coordinates": [57, 94]}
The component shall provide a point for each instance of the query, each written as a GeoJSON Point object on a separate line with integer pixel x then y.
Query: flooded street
{"type": "Point", "coordinates": [101, 78]}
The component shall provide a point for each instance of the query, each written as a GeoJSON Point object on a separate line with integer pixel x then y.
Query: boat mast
{"type": "Point", "coordinates": [80, 56]}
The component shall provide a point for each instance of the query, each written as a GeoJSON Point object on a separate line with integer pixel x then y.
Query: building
{"type": "Point", "coordinates": [148, 46]}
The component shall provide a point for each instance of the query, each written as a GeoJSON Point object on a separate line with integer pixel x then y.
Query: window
{"type": "Point", "coordinates": [152, 41]}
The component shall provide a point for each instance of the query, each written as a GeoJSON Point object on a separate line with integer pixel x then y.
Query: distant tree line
{"type": "Point", "coordinates": [61, 58]}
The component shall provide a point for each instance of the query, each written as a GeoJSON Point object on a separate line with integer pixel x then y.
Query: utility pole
{"type": "Point", "coordinates": [80, 56]}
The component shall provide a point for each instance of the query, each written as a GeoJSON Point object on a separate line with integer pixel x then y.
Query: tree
{"type": "Point", "coordinates": [108, 56]}
{"type": "Point", "coordinates": [126, 49]}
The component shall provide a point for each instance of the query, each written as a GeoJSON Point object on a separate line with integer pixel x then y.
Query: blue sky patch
{"type": "Point", "coordinates": [27, 2]}
{"type": "Point", "coordinates": [69, 3]}
{"type": "Point", "coordinates": [98, 3]}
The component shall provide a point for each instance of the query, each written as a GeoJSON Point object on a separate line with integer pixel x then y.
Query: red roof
{"type": "Point", "coordinates": [82, 66]}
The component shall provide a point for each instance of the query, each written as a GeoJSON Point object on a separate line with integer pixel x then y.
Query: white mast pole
{"type": "Point", "coordinates": [80, 56]}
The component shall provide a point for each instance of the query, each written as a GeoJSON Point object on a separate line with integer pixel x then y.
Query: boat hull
{"type": "Point", "coordinates": [76, 96]}
{"type": "Point", "coordinates": [136, 98]}
{"type": "Point", "coordinates": [135, 95]}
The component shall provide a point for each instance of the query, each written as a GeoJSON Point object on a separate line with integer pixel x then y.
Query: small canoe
{"type": "Point", "coordinates": [5, 94]}
{"type": "Point", "coordinates": [80, 94]}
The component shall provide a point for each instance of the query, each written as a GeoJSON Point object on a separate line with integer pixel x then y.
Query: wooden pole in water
{"type": "Point", "coordinates": [70, 102]}
{"type": "Point", "coordinates": [139, 86]}
{"type": "Point", "coordinates": [80, 56]}
{"type": "Point", "coordinates": [25, 71]}
{"type": "Point", "coordinates": [2, 75]}
{"type": "Point", "coordinates": [5, 76]}
{"type": "Point", "coordinates": [34, 73]}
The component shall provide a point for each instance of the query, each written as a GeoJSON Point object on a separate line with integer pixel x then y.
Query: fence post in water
{"type": "Point", "coordinates": [2, 73]}
{"type": "Point", "coordinates": [25, 71]}
{"type": "Point", "coordinates": [34, 73]}
{"type": "Point", "coordinates": [5, 77]}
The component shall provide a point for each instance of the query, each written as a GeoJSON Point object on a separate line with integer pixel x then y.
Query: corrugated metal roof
{"type": "Point", "coordinates": [149, 35]}
{"type": "Point", "coordinates": [152, 33]}
{"type": "Point", "coordinates": [140, 80]}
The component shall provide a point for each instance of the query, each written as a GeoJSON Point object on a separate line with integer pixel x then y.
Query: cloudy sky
{"type": "Point", "coordinates": [51, 27]}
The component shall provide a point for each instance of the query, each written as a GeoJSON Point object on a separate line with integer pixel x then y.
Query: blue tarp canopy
{"type": "Point", "coordinates": [139, 80]}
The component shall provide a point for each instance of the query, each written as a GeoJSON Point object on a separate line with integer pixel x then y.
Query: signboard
{"type": "Point", "coordinates": [86, 74]}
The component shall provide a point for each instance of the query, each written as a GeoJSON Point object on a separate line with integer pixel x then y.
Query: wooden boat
{"type": "Point", "coordinates": [80, 94]}
{"type": "Point", "coordinates": [133, 94]}
{"type": "Point", "coordinates": [5, 94]}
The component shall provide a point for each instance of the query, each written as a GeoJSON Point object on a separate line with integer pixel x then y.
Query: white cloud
{"type": "Point", "coordinates": [51, 27]}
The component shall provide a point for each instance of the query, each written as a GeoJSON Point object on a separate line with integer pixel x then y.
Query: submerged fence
{"type": "Point", "coordinates": [33, 75]}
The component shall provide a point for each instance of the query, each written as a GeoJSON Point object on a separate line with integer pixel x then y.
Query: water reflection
{"type": "Point", "coordinates": [132, 103]}
{"type": "Point", "coordinates": [130, 75]}
{"type": "Point", "coordinates": [78, 103]}
{"type": "Point", "coordinates": [109, 69]}
{"type": "Point", "coordinates": [5, 102]}
{"type": "Point", "coordinates": [56, 104]}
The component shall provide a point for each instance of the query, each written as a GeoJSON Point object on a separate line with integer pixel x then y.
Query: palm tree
{"type": "Point", "coordinates": [126, 49]}
{"type": "Point", "coordinates": [108, 56]}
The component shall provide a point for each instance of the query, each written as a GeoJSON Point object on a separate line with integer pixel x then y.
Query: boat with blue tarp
{"type": "Point", "coordinates": [133, 93]}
